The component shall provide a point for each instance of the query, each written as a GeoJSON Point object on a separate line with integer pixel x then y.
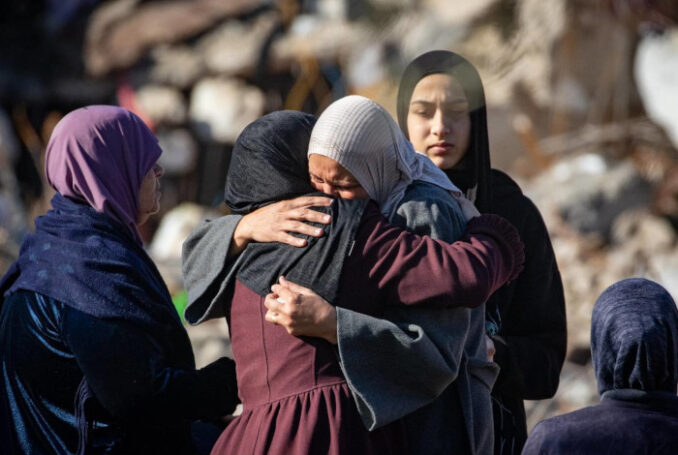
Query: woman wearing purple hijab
{"type": "Point", "coordinates": [93, 356]}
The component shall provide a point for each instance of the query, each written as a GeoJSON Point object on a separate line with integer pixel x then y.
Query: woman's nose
{"type": "Point", "coordinates": [439, 125]}
{"type": "Point", "coordinates": [329, 189]}
{"type": "Point", "coordinates": [158, 170]}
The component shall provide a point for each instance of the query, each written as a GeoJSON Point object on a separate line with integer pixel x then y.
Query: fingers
{"type": "Point", "coordinates": [312, 216]}
{"type": "Point", "coordinates": [309, 201]}
{"type": "Point", "coordinates": [272, 303]}
{"type": "Point", "coordinates": [301, 228]}
{"type": "Point", "coordinates": [288, 239]}
{"type": "Point", "coordinates": [294, 287]}
{"type": "Point", "coordinates": [289, 297]}
{"type": "Point", "coordinates": [271, 316]}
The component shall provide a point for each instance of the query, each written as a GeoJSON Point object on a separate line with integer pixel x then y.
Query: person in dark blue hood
{"type": "Point", "coordinates": [634, 345]}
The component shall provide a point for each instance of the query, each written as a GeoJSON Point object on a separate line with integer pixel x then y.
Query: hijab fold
{"type": "Point", "coordinates": [634, 338]}
{"type": "Point", "coordinates": [472, 172]}
{"type": "Point", "coordinates": [362, 136]}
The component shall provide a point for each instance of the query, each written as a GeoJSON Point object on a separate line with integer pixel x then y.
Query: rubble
{"type": "Point", "coordinates": [179, 151]}
{"type": "Point", "coordinates": [221, 108]}
{"type": "Point", "coordinates": [123, 30]}
{"type": "Point", "coordinates": [656, 65]}
{"type": "Point", "coordinates": [565, 118]}
{"type": "Point", "coordinates": [164, 105]}
{"type": "Point", "coordinates": [235, 48]}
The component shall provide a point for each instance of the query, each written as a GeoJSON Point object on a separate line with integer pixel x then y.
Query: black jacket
{"type": "Point", "coordinates": [528, 316]}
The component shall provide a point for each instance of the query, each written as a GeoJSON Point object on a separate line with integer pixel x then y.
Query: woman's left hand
{"type": "Point", "coordinates": [301, 311]}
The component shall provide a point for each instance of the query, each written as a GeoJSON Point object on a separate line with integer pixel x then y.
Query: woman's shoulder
{"type": "Point", "coordinates": [508, 198]}
{"type": "Point", "coordinates": [504, 187]}
{"type": "Point", "coordinates": [425, 191]}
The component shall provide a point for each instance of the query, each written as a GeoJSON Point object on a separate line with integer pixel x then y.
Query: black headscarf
{"type": "Point", "coordinates": [269, 164]}
{"type": "Point", "coordinates": [269, 161]}
{"type": "Point", "coordinates": [634, 338]}
{"type": "Point", "coordinates": [473, 170]}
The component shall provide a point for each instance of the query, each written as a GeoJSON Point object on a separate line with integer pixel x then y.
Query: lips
{"type": "Point", "coordinates": [440, 148]}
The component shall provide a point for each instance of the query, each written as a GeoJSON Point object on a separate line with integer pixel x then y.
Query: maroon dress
{"type": "Point", "coordinates": [294, 395]}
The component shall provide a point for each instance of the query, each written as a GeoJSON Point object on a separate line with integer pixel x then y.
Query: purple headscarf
{"type": "Point", "coordinates": [99, 155]}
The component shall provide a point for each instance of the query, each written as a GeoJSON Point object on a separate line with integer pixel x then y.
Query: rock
{"type": "Point", "coordinates": [235, 47]}
{"type": "Point", "coordinates": [165, 248]}
{"type": "Point", "coordinates": [179, 66]}
{"type": "Point", "coordinates": [175, 226]}
{"type": "Point", "coordinates": [221, 108]}
{"type": "Point", "coordinates": [642, 232]}
{"type": "Point", "coordinates": [592, 192]}
{"type": "Point", "coordinates": [514, 50]}
{"type": "Point", "coordinates": [665, 268]}
{"type": "Point", "coordinates": [365, 66]}
{"type": "Point", "coordinates": [210, 341]}
{"type": "Point", "coordinates": [164, 105]}
{"type": "Point", "coordinates": [655, 68]}
{"type": "Point", "coordinates": [179, 152]}
{"type": "Point", "coordinates": [321, 39]}
{"type": "Point", "coordinates": [332, 9]}
{"type": "Point", "coordinates": [120, 32]}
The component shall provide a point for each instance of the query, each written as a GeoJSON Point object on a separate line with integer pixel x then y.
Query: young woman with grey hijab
{"type": "Point", "coordinates": [634, 347]}
{"type": "Point", "coordinates": [359, 136]}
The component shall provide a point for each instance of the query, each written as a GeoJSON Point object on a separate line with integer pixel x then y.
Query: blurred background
{"type": "Point", "coordinates": [582, 102]}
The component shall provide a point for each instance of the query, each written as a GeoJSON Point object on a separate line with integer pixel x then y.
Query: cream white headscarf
{"type": "Point", "coordinates": [362, 136]}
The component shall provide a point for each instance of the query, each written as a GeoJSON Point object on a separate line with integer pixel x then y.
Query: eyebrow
{"type": "Point", "coordinates": [343, 180]}
{"type": "Point", "coordinates": [427, 103]}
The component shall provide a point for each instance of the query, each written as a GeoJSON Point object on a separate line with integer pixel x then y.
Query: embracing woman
{"type": "Point", "coordinates": [295, 396]}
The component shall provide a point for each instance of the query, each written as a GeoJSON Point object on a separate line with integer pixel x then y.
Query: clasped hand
{"type": "Point", "coordinates": [301, 311]}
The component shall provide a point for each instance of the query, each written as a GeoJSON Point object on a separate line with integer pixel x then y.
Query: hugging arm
{"type": "Point", "coordinates": [415, 355]}
{"type": "Point", "coordinates": [134, 380]}
{"type": "Point", "coordinates": [210, 253]}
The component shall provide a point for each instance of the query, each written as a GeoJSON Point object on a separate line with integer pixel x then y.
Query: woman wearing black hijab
{"type": "Point", "coordinates": [441, 108]}
{"type": "Point", "coordinates": [634, 347]}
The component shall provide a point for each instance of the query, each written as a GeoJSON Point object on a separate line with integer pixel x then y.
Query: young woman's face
{"type": "Point", "coordinates": [332, 178]}
{"type": "Point", "coordinates": [149, 193]}
{"type": "Point", "coordinates": [438, 120]}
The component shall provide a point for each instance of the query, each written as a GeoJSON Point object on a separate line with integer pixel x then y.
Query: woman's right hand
{"type": "Point", "coordinates": [276, 222]}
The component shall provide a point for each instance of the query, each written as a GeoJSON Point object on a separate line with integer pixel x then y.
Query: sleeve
{"type": "Point", "coordinates": [432, 216]}
{"type": "Point", "coordinates": [207, 269]}
{"type": "Point", "coordinates": [394, 368]}
{"type": "Point", "coordinates": [133, 379]}
{"type": "Point", "coordinates": [410, 269]}
{"type": "Point", "coordinates": [533, 339]}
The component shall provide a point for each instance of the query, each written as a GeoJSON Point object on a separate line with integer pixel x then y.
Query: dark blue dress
{"type": "Point", "coordinates": [142, 404]}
